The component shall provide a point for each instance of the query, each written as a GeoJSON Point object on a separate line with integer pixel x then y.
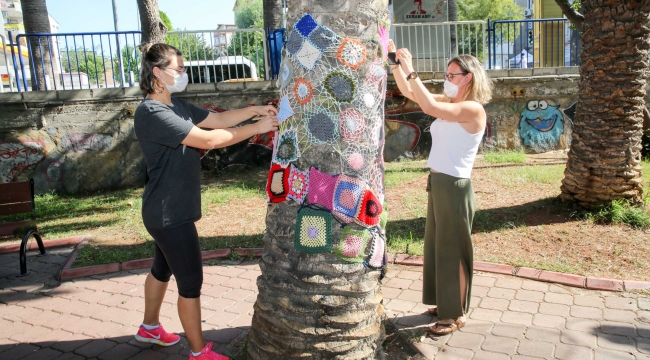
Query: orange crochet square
{"type": "Point", "coordinates": [303, 91]}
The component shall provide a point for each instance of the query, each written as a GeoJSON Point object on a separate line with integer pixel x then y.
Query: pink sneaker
{"type": "Point", "coordinates": [208, 354]}
{"type": "Point", "coordinates": [157, 336]}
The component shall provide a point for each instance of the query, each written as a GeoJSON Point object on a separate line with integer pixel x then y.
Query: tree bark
{"type": "Point", "coordinates": [572, 14]}
{"type": "Point", "coordinates": [318, 306]}
{"type": "Point", "coordinates": [605, 154]}
{"type": "Point", "coordinates": [153, 29]}
{"type": "Point", "coordinates": [37, 20]}
{"type": "Point", "coordinates": [452, 14]}
{"type": "Point", "coordinates": [272, 14]}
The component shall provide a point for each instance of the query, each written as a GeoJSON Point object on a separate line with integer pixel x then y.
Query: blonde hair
{"type": "Point", "coordinates": [480, 88]}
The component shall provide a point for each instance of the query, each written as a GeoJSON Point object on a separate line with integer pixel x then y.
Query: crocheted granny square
{"type": "Point", "coordinates": [305, 25]}
{"type": "Point", "coordinates": [308, 56]}
{"type": "Point", "coordinates": [352, 124]}
{"type": "Point", "coordinates": [287, 150]}
{"type": "Point", "coordinates": [369, 210]}
{"type": "Point", "coordinates": [322, 38]}
{"type": "Point", "coordinates": [277, 185]}
{"type": "Point", "coordinates": [303, 91]}
{"type": "Point", "coordinates": [298, 185]}
{"type": "Point", "coordinates": [321, 188]}
{"type": "Point", "coordinates": [294, 42]}
{"type": "Point", "coordinates": [377, 252]}
{"type": "Point", "coordinates": [322, 127]}
{"type": "Point", "coordinates": [340, 86]}
{"type": "Point", "coordinates": [285, 110]}
{"type": "Point", "coordinates": [347, 195]}
{"type": "Point", "coordinates": [351, 53]}
{"type": "Point", "coordinates": [352, 245]}
{"type": "Point", "coordinates": [313, 232]}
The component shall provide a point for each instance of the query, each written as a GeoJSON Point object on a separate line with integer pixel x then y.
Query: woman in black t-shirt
{"type": "Point", "coordinates": [170, 133]}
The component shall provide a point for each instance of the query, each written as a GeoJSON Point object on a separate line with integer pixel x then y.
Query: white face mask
{"type": "Point", "coordinates": [180, 82]}
{"type": "Point", "coordinates": [451, 89]}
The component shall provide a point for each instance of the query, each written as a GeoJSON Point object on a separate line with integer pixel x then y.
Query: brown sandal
{"type": "Point", "coordinates": [433, 311]}
{"type": "Point", "coordinates": [444, 329]}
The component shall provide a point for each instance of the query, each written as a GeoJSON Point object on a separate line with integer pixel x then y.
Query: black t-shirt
{"type": "Point", "coordinates": [172, 196]}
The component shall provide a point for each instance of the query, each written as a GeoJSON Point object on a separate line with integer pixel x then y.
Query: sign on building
{"type": "Point", "coordinates": [416, 11]}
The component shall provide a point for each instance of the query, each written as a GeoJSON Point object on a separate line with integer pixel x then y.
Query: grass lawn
{"type": "Point", "coordinates": [519, 220]}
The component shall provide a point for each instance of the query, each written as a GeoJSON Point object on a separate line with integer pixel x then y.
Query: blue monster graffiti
{"type": "Point", "coordinates": [541, 126]}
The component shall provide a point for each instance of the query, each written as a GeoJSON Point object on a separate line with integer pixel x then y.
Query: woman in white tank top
{"type": "Point", "coordinates": [456, 135]}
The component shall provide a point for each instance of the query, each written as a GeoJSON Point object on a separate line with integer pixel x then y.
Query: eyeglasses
{"type": "Point", "coordinates": [179, 71]}
{"type": "Point", "coordinates": [450, 76]}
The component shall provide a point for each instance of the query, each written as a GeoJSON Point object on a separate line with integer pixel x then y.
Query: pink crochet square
{"type": "Point", "coordinates": [352, 245]}
{"type": "Point", "coordinates": [376, 258]}
{"type": "Point", "coordinates": [321, 188]}
{"type": "Point", "coordinates": [298, 185]}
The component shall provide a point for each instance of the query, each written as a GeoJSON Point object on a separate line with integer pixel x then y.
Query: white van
{"type": "Point", "coordinates": [224, 68]}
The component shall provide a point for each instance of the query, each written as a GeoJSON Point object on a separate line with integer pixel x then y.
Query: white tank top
{"type": "Point", "coordinates": [453, 149]}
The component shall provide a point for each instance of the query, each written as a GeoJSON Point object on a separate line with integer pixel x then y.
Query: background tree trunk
{"type": "Point", "coordinates": [272, 14]}
{"type": "Point", "coordinates": [452, 14]}
{"type": "Point", "coordinates": [317, 306]}
{"type": "Point", "coordinates": [36, 20]}
{"type": "Point", "coordinates": [153, 29]}
{"type": "Point", "coordinates": [605, 154]}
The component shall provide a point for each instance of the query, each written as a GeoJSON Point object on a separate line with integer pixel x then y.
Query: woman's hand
{"type": "Point", "coordinates": [405, 60]}
{"type": "Point", "coordinates": [266, 124]}
{"type": "Point", "coordinates": [265, 110]}
{"type": "Point", "coordinates": [391, 46]}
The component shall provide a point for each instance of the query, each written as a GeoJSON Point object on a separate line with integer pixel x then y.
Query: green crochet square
{"type": "Point", "coordinates": [313, 231]}
{"type": "Point", "coordinates": [352, 245]}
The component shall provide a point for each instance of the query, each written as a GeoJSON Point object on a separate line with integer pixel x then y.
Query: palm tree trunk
{"type": "Point", "coordinates": [272, 14]}
{"type": "Point", "coordinates": [153, 29]}
{"type": "Point", "coordinates": [605, 155]}
{"type": "Point", "coordinates": [452, 14]}
{"type": "Point", "coordinates": [316, 305]}
{"type": "Point", "coordinates": [37, 20]}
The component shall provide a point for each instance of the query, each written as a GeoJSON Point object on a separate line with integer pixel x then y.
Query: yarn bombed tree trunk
{"type": "Point", "coordinates": [324, 249]}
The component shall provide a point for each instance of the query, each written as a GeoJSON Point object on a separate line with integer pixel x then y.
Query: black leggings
{"type": "Point", "coordinates": [177, 251]}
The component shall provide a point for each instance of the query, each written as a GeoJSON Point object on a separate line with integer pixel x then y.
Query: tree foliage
{"type": "Point", "coordinates": [249, 44]}
{"type": "Point", "coordinates": [489, 9]}
{"type": "Point", "coordinates": [250, 15]}
{"type": "Point", "coordinates": [85, 61]}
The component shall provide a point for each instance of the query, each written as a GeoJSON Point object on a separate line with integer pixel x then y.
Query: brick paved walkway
{"type": "Point", "coordinates": [511, 318]}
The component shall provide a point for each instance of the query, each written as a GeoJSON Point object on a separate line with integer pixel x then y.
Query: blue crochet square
{"type": "Point", "coordinates": [322, 38]}
{"type": "Point", "coordinates": [347, 196]}
{"type": "Point", "coordinates": [306, 25]}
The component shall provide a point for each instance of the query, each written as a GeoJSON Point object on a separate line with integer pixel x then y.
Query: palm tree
{"type": "Point", "coordinates": [272, 14]}
{"type": "Point", "coordinates": [153, 29]}
{"type": "Point", "coordinates": [452, 15]}
{"type": "Point", "coordinates": [313, 304]}
{"type": "Point", "coordinates": [37, 20]}
{"type": "Point", "coordinates": [605, 154]}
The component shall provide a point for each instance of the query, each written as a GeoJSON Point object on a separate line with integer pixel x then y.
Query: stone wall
{"type": "Point", "coordinates": [82, 140]}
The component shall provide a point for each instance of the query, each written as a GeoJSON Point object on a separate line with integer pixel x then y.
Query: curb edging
{"type": "Point", "coordinates": [32, 245]}
{"type": "Point", "coordinates": [591, 283]}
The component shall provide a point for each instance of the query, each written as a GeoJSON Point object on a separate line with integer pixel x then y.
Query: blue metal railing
{"type": "Point", "coordinates": [68, 63]}
{"type": "Point", "coordinates": [532, 43]}
{"type": "Point", "coordinates": [275, 41]}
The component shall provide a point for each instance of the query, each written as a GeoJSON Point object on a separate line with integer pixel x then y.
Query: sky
{"type": "Point", "coordinates": [76, 16]}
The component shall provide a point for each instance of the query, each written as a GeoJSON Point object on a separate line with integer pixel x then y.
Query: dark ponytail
{"type": "Point", "coordinates": [155, 55]}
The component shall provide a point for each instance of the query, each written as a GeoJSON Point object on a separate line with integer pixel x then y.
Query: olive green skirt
{"type": "Point", "coordinates": [448, 244]}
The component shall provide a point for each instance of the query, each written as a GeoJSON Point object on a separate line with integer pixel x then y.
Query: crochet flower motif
{"type": "Point", "coordinates": [303, 91]}
{"type": "Point", "coordinates": [351, 53]}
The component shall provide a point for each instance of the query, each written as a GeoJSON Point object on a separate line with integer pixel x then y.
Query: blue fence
{"type": "Point", "coordinates": [532, 43]}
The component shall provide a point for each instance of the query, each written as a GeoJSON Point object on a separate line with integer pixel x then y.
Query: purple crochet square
{"type": "Point", "coordinates": [321, 188]}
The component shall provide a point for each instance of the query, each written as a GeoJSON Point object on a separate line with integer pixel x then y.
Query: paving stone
{"type": "Point", "coordinates": [45, 354]}
{"type": "Point", "coordinates": [589, 300]}
{"type": "Point", "coordinates": [402, 284]}
{"type": "Point", "coordinates": [539, 349]}
{"type": "Point", "coordinates": [109, 314]}
{"type": "Point", "coordinates": [644, 303]}
{"type": "Point", "coordinates": [501, 293]}
{"type": "Point", "coordinates": [554, 309]}
{"type": "Point", "coordinates": [586, 312]}
{"type": "Point", "coordinates": [559, 289]}
{"type": "Point", "coordinates": [452, 353]}
{"type": "Point", "coordinates": [480, 291]}
{"type": "Point", "coordinates": [620, 303]}
{"type": "Point", "coordinates": [494, 304]}
{"type": "Point", "coordinates": [478, 327]}
{"type": "Point", "coordinates": [222, 336]}
{"type": "Point", "coordinates": [82, 326]}
{"type": "Point", "coordinates": [50, 338]}
{"type": "Point", "coordinates": [20, 351]}
{"type": "Point", "coordinates": [229, 271]}
{"type": "Point", "coordinates": [221, 319]}
{"type": "Point", "coordinates": [572, 352]}
{"type": "Point", "coordinates": [616, 342]}
{"type": "Point", "coordinates": [149, 354]}
{"type": "Point", "coordinates": [235, 283]}
{"type": "Point", "coordinates": [30, 333]}
{"type": "Point", "coordinates": [391, 293]}
{"type": "Point", "coordinates": [643, 331]}
{"type": "Point", "coordinates": [95, 348]}
{"type": "Point", "coordinates": [509, 330]}
{"type": "Point", "coordinates": [415, 320]}
{"type": "Point", "coordinates": [579, 338]}
{"type": "Point", "coordinates": [500, 345]}
{"type": "Point", "coordinates": [410, 295]}
{"type": "Point", "coordinates": [523, 306]}
{"type": "Point", "coordinates": [619, 315]}
{"type": "Point", "coordinates": [534, 285]}
{"type": "Point", "coordinates": [8, 329]}
{"type": "Point", "coordinates": [550, 321]}
{"type": "Point", "coordinates": [466, 341]}
{"type": "Point", "coordinates": [606, 354]}
{"type": "Point", "coordinates": [429, 351]}
{"type": "Point", "coordinates": [242, 321]}
{"type": "Point", "coordinates": [485, 314]}
{"type": "Point", "coordinates": [69, 356]}
{"type": "Point", "coordinates": [483, 280]}
{"type": "Point", "coordinates": [88, 310]}
{"type": "Point", "coordinates": [509, 283]}
{"type": "Point", "coordinates": [529, 295]}
{"type": "Point", "coordinates": [643, 346]}
{"type": "Point", "coordinates": [523, 357]}
{"type": "Point", "coordinates": [400, 305]}
{"type": "Point", "coordinates": [543, 334]}
{"type": "Point", "coordinates": [71, 343]}
{"type": "Point", "coordinates": [584, 325]}
{"type": "Point", "coordinates": [513, 317]}
{"type": "Point", "coordinates": [410, 275]}
{"type": "Point", "coordinates": [121, 351]}
{"type": "Point", "coordinates": [618, 328]}
{"type": "Point", "coordinates": [417, 286]}
{"type": "Point", "coordinates": [558, 298]}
